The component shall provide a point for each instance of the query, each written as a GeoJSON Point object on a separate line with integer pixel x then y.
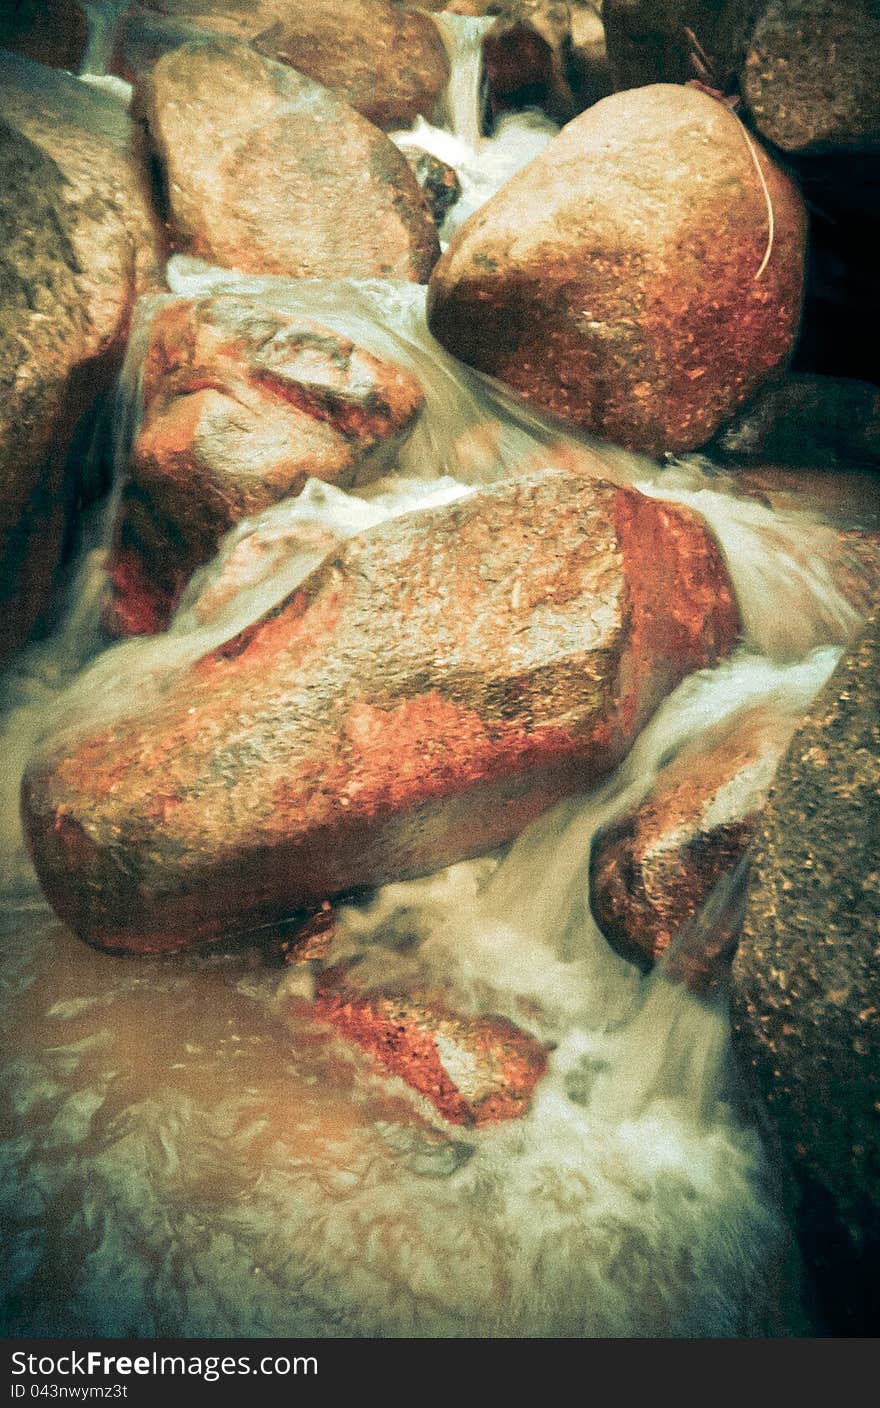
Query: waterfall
{"type": "Point", "coordinates": [462, 102]}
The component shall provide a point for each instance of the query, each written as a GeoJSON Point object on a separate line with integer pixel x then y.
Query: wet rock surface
{"type": "Point", "coordinates": [806, 993]}
{"type": "Point", "coordinates": [654, 871]}
{"type": "Point", "coordinates": [385, 60]}
{"type": "Point", "coordinates": [622, 280]}
{"type": "Point", "coordinates": [79, 244]}
{"type": "Point", "coordinates": [524, 56]}
{"type": "Point", "coordinates": [810, 75]}
{"type": "Point", "coordinates": [266, 171]}
{"type": "Point", "coordinates": [808, 420]}
{"type": "Point", "coordinates": [240, 406]}
{"type": "Point", "coordinates": [437, 179]}
{"type": "Point", "coordinates": [474, 1070]}
{"type": "Point", "coordinates": [419, 699]}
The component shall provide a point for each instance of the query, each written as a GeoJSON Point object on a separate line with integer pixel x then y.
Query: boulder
{"type": "Point", "coordinates": [267, 172]}
{"type": "Point", "coordinates": [52, 32]}
{"type": "Point", "coordinates": [241, 404]}
{"type": "Point", "coordinates": [626, 279]}
{"type": "Point", "coordinates": [420, 698]}
{"type": "Point", "coordinates": [805, 420]}
{"type": "Point", "coordinates": [79, 245]}
{"type": "Point", "coordinates": [810, 75]}
{"type": "Point", "coordinates": [653, 871]}
{"type": "Point", "coordinates": [806, 992]}
{"type": "Point", "coordinates": [386, 61]}
{"type": "Point", "coordinates": [674, 41]}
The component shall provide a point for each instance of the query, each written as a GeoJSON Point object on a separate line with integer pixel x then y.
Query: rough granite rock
{"type": "Point", "coordinates": [619, 280]}
{"type": "Point", "coordinates": [422, 697]}
{"type": "Point", "coordinates": [79, 244]}
{"type": "Point", "coordinates": [806, 990]}
{"type": "Point", "coordinates": [241, 404]}
{"type": "Point", "coordinates": [810, 75]}
{"type": "Point", "coordinates": [653, 872]}
{"type": "Point", "coordinates": [386, 61]}
{"type": "Point", "coordinates": [267, 172]}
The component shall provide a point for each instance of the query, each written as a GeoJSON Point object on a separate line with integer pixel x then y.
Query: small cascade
{"type": "Point", "coordinates": [101, 17]}
{"type": "Point", "coordinates": [463, 102]}
{"type": "Point", "coordinates": [483, 165]}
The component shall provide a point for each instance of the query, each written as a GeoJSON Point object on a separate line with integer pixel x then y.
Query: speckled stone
{"type": "Point", "coordinates": [78, 244]}
{"type": "Point", "coordinates": [241, 405]}
{"type": "Point", "coordinates": [385, 60]}
{"type": "Point", "coordinates": [426, 693]}
{"type": "Point", "coordinates": [617, 280]}
{"type": "Point", "coordinates": [811, 74]}
{"type": "Point", "coordinates": [806, 986]}
{"type": "Point", "coordinates": [268, 172]}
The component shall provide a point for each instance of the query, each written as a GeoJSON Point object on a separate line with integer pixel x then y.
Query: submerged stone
{"type": "Point", "coordinates": [421, 698]}
{"type": "Point", "coordinates": [241, 404]}
{"type": "Point", "coordinates": [626, 278]}
{"type": "Point", "coordinates": [474, 1070]}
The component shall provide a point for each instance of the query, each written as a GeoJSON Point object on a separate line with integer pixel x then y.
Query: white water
{"type": "Point", "coordinates": [482, 165]}
{"type": "Point", "coordinates": [190, 1154]}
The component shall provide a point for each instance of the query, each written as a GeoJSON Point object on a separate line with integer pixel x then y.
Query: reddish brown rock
{"type": "Point", "coordinates": [474, 1070]}
{"type": "Point", "coordinates": [52, 32]}
{"type": "Point", "coordinates": [422, 697]}
{"type": "Point", "coordinates": [810, 75]}
{"type": "Point", "coordinates": [267, 172]}
{"type": "Point", "coordinates": [386, 61]}
{"type": "Point", "coordinates": [241, 404]}
{"type": "Point", "coordinates": [622, 279]}
{"type": "Point", "coordinates": [652, 872]}
{"type": "Point", "coordinates": [79, 244]}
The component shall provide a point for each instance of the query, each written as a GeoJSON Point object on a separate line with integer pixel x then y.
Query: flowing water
{"type": "Point", "coordinates": [188, 1151]}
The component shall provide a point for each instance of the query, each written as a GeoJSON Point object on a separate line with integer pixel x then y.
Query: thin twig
{"type": "Point", "coordinates": [771, 218]}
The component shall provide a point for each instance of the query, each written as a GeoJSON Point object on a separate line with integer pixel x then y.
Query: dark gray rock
{"type": "Point", "coordinates": [806, 990]}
